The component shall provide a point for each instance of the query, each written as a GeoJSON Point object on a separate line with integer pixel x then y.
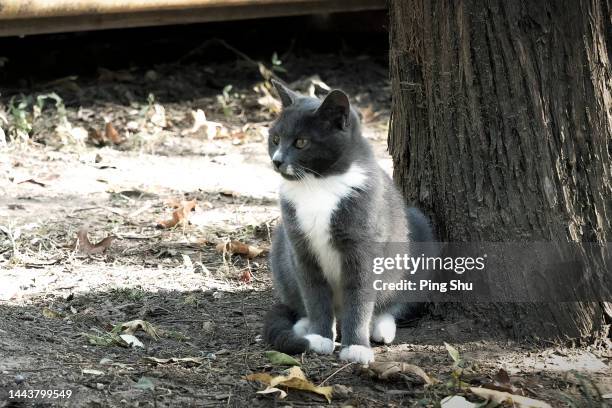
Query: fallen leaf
{"type": "Point", "coordinates": [185, 361]}
{"type": "Point", "coordinates": [131, 340]}
{"type": "Point", "coordinates": [386, 369]}
{"type": "Point", "coordinates": [501, 382]}
{"type": "Point", "coordinates": [237, 247]}
{"type": "Point", "coordinates": [456, 401]}
{"type": "Point", "coordinates": [278, 358]}
{"type": "Point", "coordinates": [294, 379]}
{"type": "Point", "coordinates": [157, 115]}
{"type": "Point", "coordinates": [211, 129]}
{"type": "Point", "coordinates": [134, 326]}
{"type": "Point", "coordinates": [247, 276]}
{"type": "Point", "coordinates": [180, 215]}
{"type": "Point", "coordinates": [270, 390]}
{"type": "Point", "coordinates": [51, 314]}
{"type": "Point", "coordinates": [454, 353]}
{"type": "Point", "coordinates": [498, 397]}
{"type": "Point", "coordinates": [86, 247]}
{"type": "Point", "coordinates": [502, 377]}
{"type": "Point", "coordinates": [110, 133]}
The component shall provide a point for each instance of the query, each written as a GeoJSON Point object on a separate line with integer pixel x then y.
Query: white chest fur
{"type": "Point", "coordinates": [315, 200]}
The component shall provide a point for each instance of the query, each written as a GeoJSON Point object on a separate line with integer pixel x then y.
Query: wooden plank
{"type": "Point", "coordinates": [205, 11]}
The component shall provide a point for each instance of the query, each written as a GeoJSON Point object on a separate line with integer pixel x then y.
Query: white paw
{"type": "Point", "coordinates": [357, 354]}
{"type": "Point", "coordinates": [319, 344]}
{"type": "Point", "coordinates": [302, 327]}
{"type": "Point", "coordinates": [383, 330]}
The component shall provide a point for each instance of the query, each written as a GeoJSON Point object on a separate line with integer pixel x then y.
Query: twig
{"type": "Point", "coordinates": [335, 372]}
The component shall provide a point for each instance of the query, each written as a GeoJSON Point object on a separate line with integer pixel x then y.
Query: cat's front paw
{"type": "Point", "coordinates": [320, 344]}
{"type": "Point", "coordinates": [357, 354]}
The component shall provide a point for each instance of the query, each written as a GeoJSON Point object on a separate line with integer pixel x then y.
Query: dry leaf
{"type": "Point", "coordinates": [501, 382]}
{"type": "Point", "coordinates": [237, 247]}
{"type": "Point", "coordinates": [110, 133]}
{"type": "Point", "coordinates": [212, 129]}
{"type": "Point", "coordinates": [270, 390]}
{"type": "Point", "coordinates": [498, 397]}
{"type": "Point", "coordinates": [186, 361]}
{"type": "Point", "coordinates": [86, 247]}
{"type": "Point", "coordinates": [133, 326]}
{"type": "Point", "coordinates": [180, 215]}
{"type": "Point", "coordinates": [294, 378]}
{"type": "Point", "coordinates": [502, 377]}
{"type": "Point", "coordinates": [456, 401]}
{"type": "Point", "coordinates": [131, 340]}
{"type": "Point", "coordinates": [386, 369]}
{"type": "Point", "coordinates": [247, 276]}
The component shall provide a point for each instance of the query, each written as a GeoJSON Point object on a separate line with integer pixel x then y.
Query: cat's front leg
{"type": "Point", "coordinates": [320, 323]}
{"type": "Point", "coordinates": [358, 308]}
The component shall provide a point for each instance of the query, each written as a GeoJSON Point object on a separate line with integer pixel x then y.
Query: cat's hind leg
{"type": "Point", "coordinates": [383, 328]}
{"type": "Point", "coordinates": [302, 327]}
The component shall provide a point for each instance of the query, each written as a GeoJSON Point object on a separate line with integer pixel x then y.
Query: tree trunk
{"type": "Point", "coordinates": [501, 129]}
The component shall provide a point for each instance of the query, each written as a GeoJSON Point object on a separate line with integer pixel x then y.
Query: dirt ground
{"type": "Point", "coordinates": [62, 172]}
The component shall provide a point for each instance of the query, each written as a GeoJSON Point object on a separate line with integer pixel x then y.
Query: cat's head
{"type": "Point", "coordinates": [312, 137]}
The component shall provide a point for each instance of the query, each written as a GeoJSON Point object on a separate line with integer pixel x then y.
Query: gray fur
{"type": "Point", "coordinates": [373, 212]}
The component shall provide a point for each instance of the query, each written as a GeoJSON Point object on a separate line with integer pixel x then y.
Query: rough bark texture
{"type": "Point", "coordinates": [502, 129]}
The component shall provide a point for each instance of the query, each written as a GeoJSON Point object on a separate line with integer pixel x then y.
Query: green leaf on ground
{"type": "Point", "coordinates": [281, 359]}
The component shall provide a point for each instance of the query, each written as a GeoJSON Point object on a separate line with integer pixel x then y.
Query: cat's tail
{"type": "Point", "coordinates": [278, 330]}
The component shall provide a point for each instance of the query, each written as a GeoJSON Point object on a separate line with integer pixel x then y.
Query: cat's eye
{"type": "Point", "coordinates": [276, 139]}
{"type": "Point", "coordinates": [301, 143]}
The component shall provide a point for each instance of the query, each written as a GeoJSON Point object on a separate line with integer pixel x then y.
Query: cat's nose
{"type": "Point", "coordinates": [277, 163]}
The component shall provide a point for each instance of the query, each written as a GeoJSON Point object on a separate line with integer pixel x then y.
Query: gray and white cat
{"type": "Point", "coordinates": [335, 202]}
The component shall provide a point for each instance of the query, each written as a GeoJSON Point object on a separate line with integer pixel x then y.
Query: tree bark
{"type": "Point", "coordinates": [501, 129]}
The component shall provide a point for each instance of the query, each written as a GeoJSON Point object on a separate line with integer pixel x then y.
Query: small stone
{"type": "Point", "coordinates": [19, 379]}
{"type": "Point", "coordinates": [100, 386]}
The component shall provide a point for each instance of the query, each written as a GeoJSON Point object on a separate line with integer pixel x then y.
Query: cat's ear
{"type": "Point", "coordinates": [335, 109]}
{"type": "Point", "coordinates": [287, 96]}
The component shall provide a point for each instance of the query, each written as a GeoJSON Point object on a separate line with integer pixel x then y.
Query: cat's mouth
{"type": "Point", "coordinates": [287, 172]}
{"type": "Point", "coordinates": [287, 176]}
